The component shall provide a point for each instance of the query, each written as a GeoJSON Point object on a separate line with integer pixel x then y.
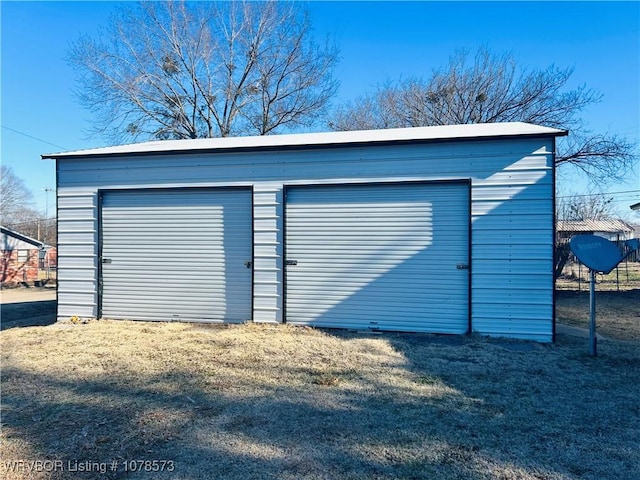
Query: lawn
{"type": "Point", "coordinates": [278, 402]}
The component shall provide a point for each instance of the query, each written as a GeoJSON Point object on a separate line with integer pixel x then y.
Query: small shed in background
{"type": "Point", "coordinates": [446, 229]}
{"type": "Point", "coordinates": [612, 229]}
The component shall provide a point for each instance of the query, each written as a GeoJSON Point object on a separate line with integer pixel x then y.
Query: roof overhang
{"type": "Point", "coordinates": [23, 238]}
{"type": "Point", "coordinates": [590, 226]}
{"type": "Point", "coordinates": [319, 140]}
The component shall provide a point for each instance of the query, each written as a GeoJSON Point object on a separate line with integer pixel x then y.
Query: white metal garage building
{"type": "Point", "coordinates": [437, 229]}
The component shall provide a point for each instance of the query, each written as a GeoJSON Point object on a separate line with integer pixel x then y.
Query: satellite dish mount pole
{"type": "Point", "coordinates": [599, 255]}
{"type": "Point", "coordinates": [593, 339]}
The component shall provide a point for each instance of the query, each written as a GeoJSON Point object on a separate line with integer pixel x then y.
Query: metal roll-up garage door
{"type": "Point", "coordinates": [389, 257]}
{"type": "Point", "coordinates": [176, 255]}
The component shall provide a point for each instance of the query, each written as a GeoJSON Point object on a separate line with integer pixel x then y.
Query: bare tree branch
{"type": "Point", "coordinates": [595, 206]}
{"type": "Point", "coordinates": [189, 70]}
{"type": "Point", "coordinates": [492, 88]}
{"type": "Point", "coordinates": [17, 209]}
{"type": "Point", "coordinates": [14, 194]}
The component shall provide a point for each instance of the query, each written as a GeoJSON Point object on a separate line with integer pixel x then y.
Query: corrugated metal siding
{"type": "Point", "coordinates": [77, 274]}
{"type": "Point", "coordinates": [512, 229]}
{"type": "Point", "coordinates": [477, 160]}
{"type": "Point", "coordinates": [177, 255]}
{"type": "Point", "coordinates": [378, 256]}
{"type": "Point", "coordinates": [512, 175]}
{"type": "Point", "coordinates": [268, 252]}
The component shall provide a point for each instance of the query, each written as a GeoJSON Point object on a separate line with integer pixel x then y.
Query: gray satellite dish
{"type": "Point", "coordinates": [599, 255]}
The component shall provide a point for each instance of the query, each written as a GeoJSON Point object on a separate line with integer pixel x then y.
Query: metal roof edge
{"type": "Point", "coordinates": [440, 133]}
{"type": "Point", "coordinates": [608, 225]}
{"type": "Point", "coordinates": [22, 237]}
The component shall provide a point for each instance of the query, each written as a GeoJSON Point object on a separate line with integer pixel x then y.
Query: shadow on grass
{"type": "Point", "coordinates": [541, 408]}
{"type": "Point", "coordinates": [28, 314]}
{"type": "Point", "coordinates": [464, 409]}
{"type": "Point", "coordinates": [274, 434]}
{"type": "Point", "coordinates": [622, 296]}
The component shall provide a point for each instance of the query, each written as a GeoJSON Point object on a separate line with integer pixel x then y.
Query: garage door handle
{"type": "Point", "coordinates": [291, 262]}
{"type": "Point", "coordinates": [462, 266]}
{"type": "Point", "coordinates": [247, 264]}
{"type": "Point", "coordinates": [106, 260]}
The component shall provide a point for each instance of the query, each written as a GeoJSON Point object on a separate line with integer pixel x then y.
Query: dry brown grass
{"type": "Point", "coordinates": [251, 402]}
{"type": "Point", "coordinates": [617, 313]}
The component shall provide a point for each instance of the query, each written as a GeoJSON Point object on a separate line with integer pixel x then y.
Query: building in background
{"type": "Point", "coordinates": [24, 260]}
{"type": "Point", "coordinates": [612, 229]}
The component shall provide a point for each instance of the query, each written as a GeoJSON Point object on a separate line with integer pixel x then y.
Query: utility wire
{"type": "Point", "coordinates": [599, 194]}
{"type": "Point", "coordinates": [35, 138]}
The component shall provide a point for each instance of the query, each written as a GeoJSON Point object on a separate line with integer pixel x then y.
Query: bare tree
{"type": "Point", "coordinates": [171, 70]}
{"type": "Point", "coordinates": [14, 194]}
{"type": "Point", "coordinates": [593, 206]}
{"type": "Point", "coordinates": [494, 88]}
{"type": "Point", "coordinates": [17, 210]}
{"type": "Point", "coordinates": [33, 223]}
{"type": "Point", "coordinates": [575, 207]}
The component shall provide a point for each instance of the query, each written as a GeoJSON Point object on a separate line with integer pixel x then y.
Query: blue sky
{"type": "Point", "coordinates": [379, 41]}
